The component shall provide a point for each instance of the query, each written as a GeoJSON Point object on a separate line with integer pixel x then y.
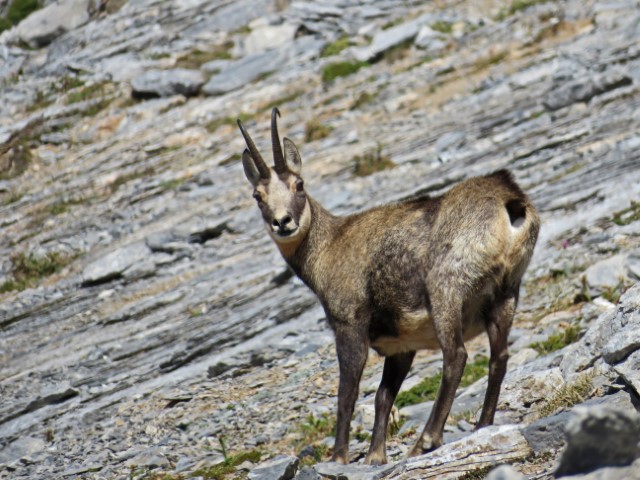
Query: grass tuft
{"type": "Point", "coordinates": [517, 6]}
{"type": "Point", "coordinates": [442, 26]}
{"type": "Point", "coordinates": [336, 47]}
{"type": "Point", "coordinates": [428, 387]}
{"type": "Point", "coordinates": [28, 269]}
{"type": "Point", "coordinates": [314, 130]}
{"type": "Point", "coordinates": [628, 215]}
{"type": "Point", "coordinates": [341, 69]}
{"type": "Point", "coordinates": [568, 395]}
{"type": "Point", "coordinates": [18, 10]}
{"type": "Point", "coordinates": [569, 335]}
{"type": "Point", "coordinates": [371, 162]}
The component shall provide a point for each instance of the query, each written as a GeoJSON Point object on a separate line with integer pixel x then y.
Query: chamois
{"type": "Point", "coordinates": [425, 273]}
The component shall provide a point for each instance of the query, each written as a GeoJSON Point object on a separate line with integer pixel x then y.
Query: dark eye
{"type": "Point", "coordinates": [299, 185]}
{"type": "Point", "coordinates": [257, 196]}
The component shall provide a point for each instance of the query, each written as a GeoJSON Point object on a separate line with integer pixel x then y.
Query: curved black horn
{"type": "Point", "coordinates": [255, 154]}
{"type": "Point", "coordinates": [278, 157]}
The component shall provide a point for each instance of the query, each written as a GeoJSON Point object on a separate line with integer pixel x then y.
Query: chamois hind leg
{"type": "Point", "coordinates": [498, 326]}
{"type": "Point", "coordinates": [352, 347]}
{"type": "Point", "coordinates": [395, 370]}
{"type": "Point", "coordinates": [447, 322]}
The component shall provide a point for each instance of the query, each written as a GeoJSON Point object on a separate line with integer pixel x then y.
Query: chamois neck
{"type": "Point", "coordinates": [321, 231]}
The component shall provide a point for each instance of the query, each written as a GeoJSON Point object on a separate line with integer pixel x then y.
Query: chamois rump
{"type": "Point", "coordinates": [426, 273]}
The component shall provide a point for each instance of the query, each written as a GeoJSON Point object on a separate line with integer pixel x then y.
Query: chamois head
{"type": "Point", "coordinates": [279, 190]}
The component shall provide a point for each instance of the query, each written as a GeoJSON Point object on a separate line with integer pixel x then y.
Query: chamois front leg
{"type": "Point", "coordinates": [352, 348]}
{"type": "Point", "coordinates": [498, 326]}
{"type": "Point", "coordinates": [447, 322]}
{"type": "Point", "coordinates": [395, 370]}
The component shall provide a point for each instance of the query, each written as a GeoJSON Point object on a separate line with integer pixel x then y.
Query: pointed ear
{"type": "Point", "coordinates": [291, 156]}
{"type": "Point", "coordinates": [250, 170]}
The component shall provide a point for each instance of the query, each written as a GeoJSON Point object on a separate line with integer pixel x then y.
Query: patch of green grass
{"type": "Point", "coordinates": [314, 130]}
{"type": "Point", "coordinates": [568, 395]}
{"type": "Point", "coordinates": [62, 206]}
{"type": "Point", "coordinates": [613, 294]}
{"type": "Point", "coordinates": [371, 162]}
{"type": "Point", "coordinates": [18, 10]}
{"type": "Point", "coordinates": [19, 158]}
{"type": "Point", "coordinates": [569, 335]}
{"type": "Point", "coordinates": [428, 387]}
{"type": "Point", "coordinates": [196, 58]}
{"type": "Point", "coordinates": [363, 99]}
{"type": "Point", "coordinates": [28, 269]}
{"type": "Point", "coordinates": [228, 466]}
{"type": "Point", "coordinates": [485, 62]}
{"type": "Point", "coordinates": [442, 26]}
{"type": "Point", "coordinates": [336, 47]}
{"type": "Point", "coordinates": [319, 453]}
{"type": "Point", "coordinates": [11, 197]}
{"type": "Point", "coordinates": [87, 93]}
{"type": "Point", "coordinates": [628, 215]}
{"type": "Point", "coordinates": [517, 6]}
{"type": "Point", "coordinates": [213, 125]}
{"type": "Point", "coordinates": [317, 428]}
{"type": "Point", "coordinates": [341, 69]}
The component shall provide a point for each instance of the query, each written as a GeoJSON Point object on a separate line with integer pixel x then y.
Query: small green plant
{"type": "Point", "coordinates": [336, 47]}
{"type": "Point", "coordinates": [477, 474]}
{"type": "Point", "coordinates": [442, 26]}
{"type": "Point", "coordinates": [363, 99]}
{"type": "Point", "coordinates": [28, 269]}
{"type": "Point", "coordinates": [18, 11]}
{"type": "Point", "coordinates": [568, 395]}
{"type": "Point", "coordinates": [613, 294]}
{"type": "Point", "coordinates": [318, 454]}
{"type": "Point", "coordinates": [196, 58]}
{"type": "Point", "coordinates": [314, 130]}
{"type": "Point", "coordinates": [341, 69]}
{"type": "Point", "coordinates": [213, 125]}
{"type": "Point", "coordinates": [428, 387]}
{"type": "Point", "coordinates": [517, 6]}
{"type": "Point", "coordinates": [19, 158]}
{"type": "Point", "coordinates": [228, 466]}
{"type": "Point", "coordinates": [86, 93]}
{"type": "Point", "coordinates": [316, 428]}
{"type": "Point", "coordinates": [628, 215]}
{"type": "Point", "coordinates": [569, 335]}
{"type": "Point", "coordinates": [371, 162]}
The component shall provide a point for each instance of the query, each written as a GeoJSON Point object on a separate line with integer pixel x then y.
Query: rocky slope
{"type": "Point", "coordinates": [149, 326]}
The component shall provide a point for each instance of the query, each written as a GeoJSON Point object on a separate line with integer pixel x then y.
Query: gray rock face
{"type": "Point", "coordinates": [606, 274]}
{"type": "Point", "coordinates": [600, 437]}
{"type": "Point", "coordinates": [278, 468]}
{"type": "Point", "coordinates": [504, 472]}
{"type": "Point", "coordinates": [386, 39]}
{"type": "Point", "coordinates": [164, 83]}
{"type": "Point", "coordinates": [245, 71]}
{"type": "Point", "coordinates": [43, 26]}
{"type": "Point", "coordinates": [612, 334]}
{"type": "Point", "coordinates": [114, 264]}
{"type": "Point", "coordinates": [171, 326]}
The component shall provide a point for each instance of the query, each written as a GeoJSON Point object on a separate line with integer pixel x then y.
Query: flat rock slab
{"type": "Point", "coordinates": [484, 448]}
{"type": "Point", "coordinates": [245, 71]}
{"type": "Point", "coordinates": [279, 468]}
{"type": "Point", "coordinates": [336, 471]}
{"type": "Point", "coordinates": [165, 83]}
{"type": "Point", "coordinates": [113, 264]}
{"type": "Point", "coordinates": [43, 26]}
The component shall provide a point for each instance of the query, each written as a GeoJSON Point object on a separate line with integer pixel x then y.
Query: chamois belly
{"type": "Point", "coordinates": [414, 331]}
{"type": "Point", "coordinates": [410, 331]}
